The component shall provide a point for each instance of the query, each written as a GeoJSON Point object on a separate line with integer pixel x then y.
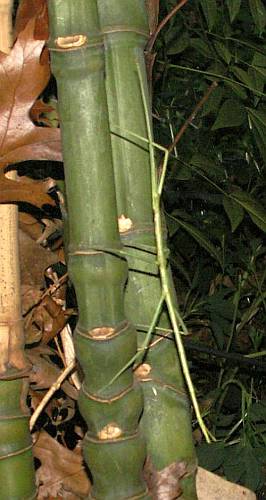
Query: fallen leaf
{"type": "Point", "coordinates": [52, 226]}
{"type": "Point", "coordinates": [213, 487]}
{"type": "Point", "coordinates": [34, 259]}
{"type": "Point", "coordinates": [24, 73]}
{"type": "Point", "coordinates": [44, 373]}
{"type": "Point", "coordinates": [61, 473]}
{"type": "Point", "coordinates": [39, 109]}
{"type": "Point", "coordinates": [28, 9]}
{"type": "Point", "coordinates": [51, 318]}
{"type": "Point", "coordinates": [34, 192]}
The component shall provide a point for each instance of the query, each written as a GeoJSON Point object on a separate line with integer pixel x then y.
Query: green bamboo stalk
{"type": "Point", "coordinates": [17, 480]}
{"type": "Point", "coordinates": [113, 446]}
{"type": "Point", "coordinates": [166, 420]}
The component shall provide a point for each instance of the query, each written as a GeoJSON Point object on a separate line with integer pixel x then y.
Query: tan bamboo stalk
{"type": "Point", "coordinates": [6, 7]}
{"type": "Point", "coordinates": [16, 461]}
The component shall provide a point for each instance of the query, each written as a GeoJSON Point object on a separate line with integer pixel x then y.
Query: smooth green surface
{"type": "Point", "coordinates": [17, 480]}
{"type": "Point", "coordinates": [98, 273]}
{"type": "Point", "coordinates": [166, 421]}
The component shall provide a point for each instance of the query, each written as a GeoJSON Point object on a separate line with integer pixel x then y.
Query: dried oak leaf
{"type": "Point", "coordinates": [33, 8]}
{"type": "Point", "coordinates": [61, 473]}
{"type": "Point", "coordinates": [39, 109]}
{"type": "Point", "coordinates": [24, 73]}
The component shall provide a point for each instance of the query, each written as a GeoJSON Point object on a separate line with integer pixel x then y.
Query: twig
{"type": "Point", "coordinates": [161, 25]}
{"type": "Point", "coordinates": [56, 385]}
{"type": "Point", "coordinates": [69, 353]}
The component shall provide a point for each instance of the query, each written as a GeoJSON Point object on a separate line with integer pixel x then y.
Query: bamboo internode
{"type": "Point", "coordinates": [105, 341]}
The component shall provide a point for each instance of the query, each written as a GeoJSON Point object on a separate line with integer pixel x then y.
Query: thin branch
{"type": "Point", "coordinates": [56, 385]}
{"type": "Point", "coordinates": [161, 25]}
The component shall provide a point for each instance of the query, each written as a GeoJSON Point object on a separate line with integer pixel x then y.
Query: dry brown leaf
{"type": "Point", "coordinates": [30, 297]}
{"type": "Point", "coordinates": [30, 225]}
{"type": "Point", "coordinates": [61, 473]}
{"type": "Point", "coordinates": [51, 226]}
{"type": "Point", "coordinates": [213, 487]}
{"type": "Point", "coordinates": [51, 318]}
{"type": "Point", "coordinates": [164, 484]}
{"type": "Point", "coordinates": [28, 9]}
{"type": "Point", "coordinates": [34, 259]}
{"type": "Point", "coordinates": [24, 73]}
{"type": "Point", "coordinates": [45, 373]}
{"type": "Point", "coordinates": [37, 111]}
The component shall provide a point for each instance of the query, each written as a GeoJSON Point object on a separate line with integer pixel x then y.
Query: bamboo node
{"type": "Point", "coordinates": [124, 224]}
{"type": "Point", "coordinates": [110, 431]}
{"type": "Point", "coordinates": [102, 333]}
{"type": "Point", "coordinates": [70, 42]}
{"type": "Point", "coordinates": [143, 371]}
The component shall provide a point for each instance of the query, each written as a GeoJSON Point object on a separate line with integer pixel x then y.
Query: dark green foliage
{"type": "Point", "coordinates": [216, 209]}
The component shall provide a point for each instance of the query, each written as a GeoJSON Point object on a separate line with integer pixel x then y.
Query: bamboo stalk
{"type": "Point", "coordinates": [16, 460]}
{"type": "Point", "coordinates": [113, 446]}
{"type": "Point", "coordinates": [6, 35]}
{"type": "Point", "coordinates": [166, 421]}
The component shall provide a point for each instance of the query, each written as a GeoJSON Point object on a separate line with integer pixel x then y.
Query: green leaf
{"type": "Point", "coordinates": [223, 52]}
{"type": "Point", "coordinates": [260, 116]}
{"type": "Point", "coordinates": [200, 238]}
{"type": "Point", "coordinates": [255, 210]}
{"type": "Point", "coordinates": [258, 120]}
{"type": "Point", "coordinates": [202, 47]}
{"type": "Point", "coordinates": [257, 412]}
{"type": "Point", "coordinates": [237, 89]}
{"type": "Point", "coordinates": [234, 211]}
{"type": "Point", "coordinates": [261, 71]}
{"type": "Point", "coordinates": [258, 12]}
{"type": "Point", "coordinates": [260, 453]}
{"type": "Point", "coordinates": [213, 103]}
{"type": "Point", "coordinates": [233, 8]}
{"type": "Point", "coordinates": [243, 76]}
{"type": "Point", "coordinates": [208, 166]}
{"type": "Point", "coordinates": [253, 471]}
{"type": "Point", "coordinates": [211, 456]}
{"type": "Point", "coordinates": [231, 114]}
{"type": "Point", "coordinates": [257, 78]}
{"type": "Point", "coordinates": [259, 59]}
{"type": "Point", "coordinates": [210, 10]}
{"type": "Point", "coordinates": [179, 44]}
